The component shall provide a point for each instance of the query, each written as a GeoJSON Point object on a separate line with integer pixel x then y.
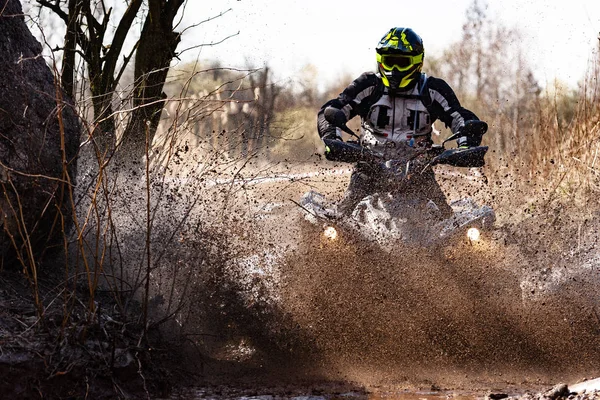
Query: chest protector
{"type": "Point", "coordinates": [402, 117]}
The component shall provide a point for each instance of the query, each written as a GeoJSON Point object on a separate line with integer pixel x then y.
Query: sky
{"type": "Point", "coordinates": [339, 37]}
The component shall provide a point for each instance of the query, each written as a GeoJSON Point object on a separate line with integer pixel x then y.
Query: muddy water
{"type": "Point", "coordinates": [517, 311]}
{"type": "Point", "coordinates": [423, 396]}
{"type": "Point", "coordinates": [202, 394]}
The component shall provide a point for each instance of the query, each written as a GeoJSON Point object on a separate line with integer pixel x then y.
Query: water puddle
{"type": "Point", "coordinates": [422, 396]}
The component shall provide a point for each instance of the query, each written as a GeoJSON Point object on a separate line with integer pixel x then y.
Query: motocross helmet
{"type": "Point", "coordinates": [400, 58]}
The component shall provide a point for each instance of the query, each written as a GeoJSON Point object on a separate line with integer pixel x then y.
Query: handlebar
{"type": "Point", "coordinates": [352, 152]}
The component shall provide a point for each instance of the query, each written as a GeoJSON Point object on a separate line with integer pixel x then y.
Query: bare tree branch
{"type": "Point", "coordinates": [208, 44]}
{"type": "Point", "coordinates": [123, 28]}
{"type": "Point", "coordinates": [206, 20]}
{"type": "Point", "coordinates": [56, 8]}
{"type": "Point", "coordinates": [126, 60]}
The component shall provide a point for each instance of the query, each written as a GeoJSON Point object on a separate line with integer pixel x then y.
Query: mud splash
{"type": "Point", "coordinates": [467, 316]}
{"type": "Point", "coordinates": [517, 311]}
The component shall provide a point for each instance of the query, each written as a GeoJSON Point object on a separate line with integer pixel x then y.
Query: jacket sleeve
{"type": "Point", "coordinates": [445, 106]}
{"type": "Point", "coordinates": [355, 100]}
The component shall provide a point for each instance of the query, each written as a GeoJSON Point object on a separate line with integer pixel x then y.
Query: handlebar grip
{"type": "Point", "coordinates": [337, 150]}
{"type": "Point", "coordinates": [467, 158]}
{"type": "Point", "coordinates": [474, 128]}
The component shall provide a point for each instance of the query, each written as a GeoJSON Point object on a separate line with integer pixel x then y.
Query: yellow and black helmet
{"type": "Point", "coordinates": [400, 58]}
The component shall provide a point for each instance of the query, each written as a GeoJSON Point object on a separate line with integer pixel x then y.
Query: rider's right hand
{"type": "Point", "coordinates": [334, 135]}
{"type": "Point", "coordinates": [335, 116]}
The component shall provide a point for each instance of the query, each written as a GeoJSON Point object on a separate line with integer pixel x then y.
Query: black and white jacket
{"type": "Point", "coordinates": [405, 116]}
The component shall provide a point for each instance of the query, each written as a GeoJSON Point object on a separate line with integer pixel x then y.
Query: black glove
{"type": "Point", "coordinates": [471, 133]}
{"type": "Point", "coordinates": [335, 116]}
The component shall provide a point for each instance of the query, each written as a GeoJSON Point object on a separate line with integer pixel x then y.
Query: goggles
{"type": "Point", "coordinates": [399, 61]}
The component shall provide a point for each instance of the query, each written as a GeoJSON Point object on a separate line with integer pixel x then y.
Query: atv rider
{"type": "Point", "coordinates": [397, 106]}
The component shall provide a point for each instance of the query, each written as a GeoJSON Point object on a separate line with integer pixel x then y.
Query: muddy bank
{"type": "Point", "coordinates": [72, 353]}
{"type": "Point", "coordinates": [334, 391]}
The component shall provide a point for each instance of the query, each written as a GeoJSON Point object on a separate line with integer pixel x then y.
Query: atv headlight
{"type": "Point", "coordinates": [330, 233]}
{"type": "Point", "coordinates": [473, 234]}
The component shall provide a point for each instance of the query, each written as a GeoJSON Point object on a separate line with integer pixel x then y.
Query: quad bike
{"type": "Point", "coordinates": [396, 215]}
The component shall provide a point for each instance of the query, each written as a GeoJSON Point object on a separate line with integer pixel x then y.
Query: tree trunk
{"type": "Point", "coordinates": [104, 133]}
{"type": "Point", "coordinates": [68, 65]}
{"type": "Point", "coordinates": [152, 61]}
{"type": "Point", "coordinates": [38, 144]}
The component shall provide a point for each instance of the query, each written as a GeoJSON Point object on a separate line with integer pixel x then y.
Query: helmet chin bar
{"type": "Point", "coordinates": [395, 81]}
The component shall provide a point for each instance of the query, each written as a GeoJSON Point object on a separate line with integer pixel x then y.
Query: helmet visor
{"type": "Point", "coordinates": [399, 61]}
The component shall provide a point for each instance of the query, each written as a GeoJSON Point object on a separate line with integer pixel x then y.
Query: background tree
{"type": "Point", "coordinates": [489, 70]}
{"type": "Point", "coordinates": [227, 108]}
{"type": "Point", "coordinates": [89, 34]}
{"type": "Point", "coordinates": [266, 94]}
